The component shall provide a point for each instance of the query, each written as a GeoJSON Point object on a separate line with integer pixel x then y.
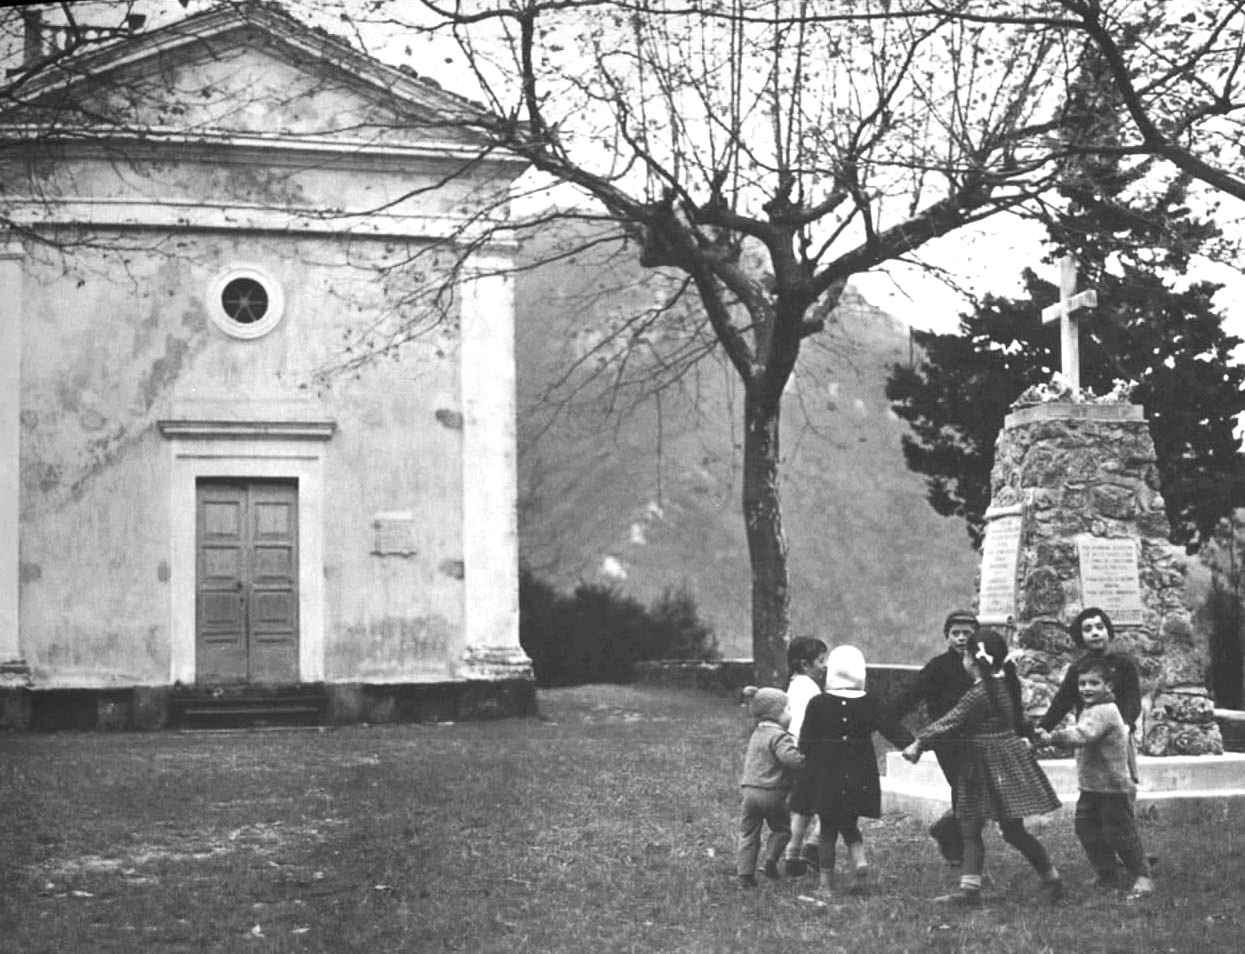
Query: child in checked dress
{"type": "Point", "coordinates": [999, 777]}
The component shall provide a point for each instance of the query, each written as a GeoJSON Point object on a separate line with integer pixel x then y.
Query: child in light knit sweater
{"type": "Point", "coordinates": [1104, 822]}
{"type": "Point", "coordinates": [806, 659]}
{"type": "Point", "coordinates": [770, 764]}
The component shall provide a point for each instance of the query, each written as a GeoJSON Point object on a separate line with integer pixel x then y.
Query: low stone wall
{"type": "Point", "coordinates": [729, 676]}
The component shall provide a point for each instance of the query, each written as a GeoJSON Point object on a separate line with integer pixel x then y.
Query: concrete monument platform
{"type": "Point", "coordinates": [1186, 786]}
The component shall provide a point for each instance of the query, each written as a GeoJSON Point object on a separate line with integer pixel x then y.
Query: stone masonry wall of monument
{"type": "Point", "coordinates": [1078, 473]}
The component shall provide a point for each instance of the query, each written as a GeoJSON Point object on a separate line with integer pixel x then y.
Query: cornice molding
{"type": "Point", "coordinates": [247, 430]}
{"type": "Point", "coordinates": [341, 154]}
{"type": "Point", "coordinates": [188, 215]}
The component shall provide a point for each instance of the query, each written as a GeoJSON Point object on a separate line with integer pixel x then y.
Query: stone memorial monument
{"type": "Point", "coordinates": [1077, 519]}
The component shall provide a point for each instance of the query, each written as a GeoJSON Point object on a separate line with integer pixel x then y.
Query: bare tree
{"type": "Point", "coordinates": [757, 154]}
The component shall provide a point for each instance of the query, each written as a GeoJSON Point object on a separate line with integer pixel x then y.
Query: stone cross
{"type": "Point", "coordinates": [1069, 335]}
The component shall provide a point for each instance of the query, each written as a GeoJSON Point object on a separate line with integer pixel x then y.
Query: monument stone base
{"type": "Point", "coordinates": [1194, 787]}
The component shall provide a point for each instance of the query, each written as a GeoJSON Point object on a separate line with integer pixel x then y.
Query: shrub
{"type": "Point", "coordinates": [597, 634]}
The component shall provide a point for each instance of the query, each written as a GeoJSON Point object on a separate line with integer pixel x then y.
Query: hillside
{"type": "Point", "coordinates": [646, 494]}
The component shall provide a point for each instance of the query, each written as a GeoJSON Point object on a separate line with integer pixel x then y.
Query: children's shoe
{"type": "Point", "coordinates": [794, 867]}
{"type": "Point", "coordinates": [771, 869]}
{"type": "Point", "coordinates": [856, 855]}
{"type": "Point", "coordinates": [746, 881]}
{"type": "Point", "coordinates": [951, 852]}
{"type": "Point", "coordinates": [1143, 887]}
{"type": "Point", "coordinates": [811, 856]}
{"type": "Point", "coordinates": [960, 898]}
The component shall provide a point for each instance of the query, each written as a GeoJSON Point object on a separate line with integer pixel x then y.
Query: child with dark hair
{"type": "Point", "coordinates": [999, 777]}
{"type": "Point", "coordinates": [806, 661]}
{"type": "Point", "coordinates": [1094, 632]}
{"type": "Point", "coordinates": [1105, 824]}
{"type": "Point", "coordinates": [939, 685]}
{"type": "Point", "coordinates": [770, 763]}
{"type": "Point", "coordinates": [841, 770]}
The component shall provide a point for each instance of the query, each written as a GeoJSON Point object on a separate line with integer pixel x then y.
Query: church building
{"type": "Point", "coordinates": [257, 389]}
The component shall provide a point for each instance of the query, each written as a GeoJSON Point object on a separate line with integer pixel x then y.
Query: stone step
{"type": "Point", "coordinates": [1169, 786]}
{"type": "Point", "coordinates": [247, 706]}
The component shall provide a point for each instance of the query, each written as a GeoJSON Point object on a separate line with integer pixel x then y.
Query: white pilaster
{"type": "Point", "coordinates": [490, 482]}
{"type": "Point", "coordinates": [12, 667]}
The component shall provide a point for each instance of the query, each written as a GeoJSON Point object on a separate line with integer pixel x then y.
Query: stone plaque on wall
{"type": "Point", "coordinates": [393, 533]}
{"type": "Point", "coordinates": [999, 553]}
{"type": "Point", "coordinates": [1109, 578]}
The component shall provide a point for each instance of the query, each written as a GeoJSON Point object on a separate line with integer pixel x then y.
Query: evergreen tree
{"type": "Point", "coordinates": [1132, 247]}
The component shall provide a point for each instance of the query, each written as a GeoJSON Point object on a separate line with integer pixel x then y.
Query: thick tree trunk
{"type": "Point", "coordinates": [767, 545]}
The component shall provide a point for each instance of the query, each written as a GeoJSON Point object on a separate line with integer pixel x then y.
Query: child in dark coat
{"type": "Point", "coordinates": [840, 777]}
{"type": "Point", "coordinates": [939, 685]}
{"type": "Point", "coordinates": [770, 764]}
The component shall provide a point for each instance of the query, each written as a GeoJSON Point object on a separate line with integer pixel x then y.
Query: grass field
{"type": "Point", "coordinates": [605, 826]}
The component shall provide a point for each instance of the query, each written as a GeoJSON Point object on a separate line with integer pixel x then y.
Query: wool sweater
{"type": "Point", "coordinates": [801, 691]}
{"type": "Point", "coordinates": [772, 758]}
{"type": "Point", "coordinates": [1125, 680]}
{"type": "Point", "coordinates": [1102, 743]}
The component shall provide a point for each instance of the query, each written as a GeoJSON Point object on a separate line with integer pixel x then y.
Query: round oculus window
{"type": "Point", "coordinates": [245, 302]}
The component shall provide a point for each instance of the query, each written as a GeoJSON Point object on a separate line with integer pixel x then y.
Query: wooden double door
{"type": "Point", "coordinates": [246, 581]}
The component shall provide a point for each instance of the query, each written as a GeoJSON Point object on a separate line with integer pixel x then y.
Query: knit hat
{"type": "Point", "coordinates": [959, 616]}
{"type": "Point", "coordinates": [845, 669]}
{"type": "Point", "coordinates": [765, 703]}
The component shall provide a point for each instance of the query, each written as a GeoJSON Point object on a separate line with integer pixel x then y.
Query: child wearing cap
{"type": "Point", "coordinates": [770, 764]}
{"type": "Point", "coordinates": [940, 684]}
{"type": "Point", "coordinates": [841, 768]}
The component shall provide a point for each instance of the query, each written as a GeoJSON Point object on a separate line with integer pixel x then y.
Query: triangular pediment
{"type": "Point", "coordinates": [246, 69]}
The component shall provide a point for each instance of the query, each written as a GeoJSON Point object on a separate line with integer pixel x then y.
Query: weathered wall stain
{"type": "Point", "coordinates": [392, 645]}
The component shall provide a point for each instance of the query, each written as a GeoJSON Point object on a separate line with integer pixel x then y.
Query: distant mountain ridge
{"type": "Point", "coordinates": [651, 498]}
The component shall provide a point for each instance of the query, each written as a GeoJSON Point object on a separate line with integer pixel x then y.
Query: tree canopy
{"type": "Point", "coordinates": [1150, 327]}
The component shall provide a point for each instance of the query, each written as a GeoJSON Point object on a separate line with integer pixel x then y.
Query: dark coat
{"type": "Point", "coordinates": [939, 685]}
{"type": "Point", "coordinates": [1125, 683]}
{"type": "Point", "coordinates": [840, 767]}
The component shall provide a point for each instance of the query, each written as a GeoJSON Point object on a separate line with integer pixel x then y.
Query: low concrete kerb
{"type": "Point", "coordinates": [1198, 787]}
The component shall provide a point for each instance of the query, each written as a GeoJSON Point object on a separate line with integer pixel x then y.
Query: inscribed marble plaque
{"type": "Point", "coordinates": [999, 552]}
{"type": "Point", "coordinates": [1109, 577]}
{"type": "Point", "coordinates": [394, 533]}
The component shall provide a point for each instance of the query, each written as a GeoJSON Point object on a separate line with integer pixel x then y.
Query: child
{"type": "Point", "coordinates": [769, 765]}
{"type": "Point", "coordinates": [939, 684]}
{"type": "Point", "coordinates": [1104, 822]}
{"type": "Point", "coordinates": [806, 660]}
{"type": "Point", "coordinates": [999, 777]}
{"type": "Point", "coordinates": [1093, 631]}
{"type": "Point", "coordinates": [841, 768]}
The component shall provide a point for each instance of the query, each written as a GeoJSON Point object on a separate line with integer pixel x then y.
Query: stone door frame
{"type": "Point", "coordinates": [250, 450]}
